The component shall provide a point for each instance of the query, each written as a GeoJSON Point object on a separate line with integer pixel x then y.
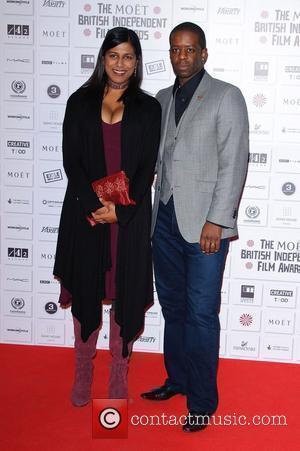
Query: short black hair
{"type": "Point", "coordinates": [190, 26]}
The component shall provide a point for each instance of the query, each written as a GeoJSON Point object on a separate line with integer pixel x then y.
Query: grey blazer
{"type": "Point", "coordinates": [210, 158]}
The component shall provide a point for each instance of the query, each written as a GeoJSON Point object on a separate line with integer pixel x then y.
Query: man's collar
{"type": "Point", "coordinates": [190, 86]}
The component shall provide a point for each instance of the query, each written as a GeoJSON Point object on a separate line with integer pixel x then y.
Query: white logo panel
{"type": "Point", "coordinates": [17, 200]}
{"type": "Point", "coordinates": [20, 174]}
{"type": "Point", "coordinates": [17, 147]}
{"type": "Point", "coordinates": [16, 59]}
{"type": "Point", "coordinates": [17, 304]}
{"type": "Point", "coordinates": [17, 330]}
{"type": "Point", "coordinates": [17, 227]}
{"type": "Point", "coordinates": [50, 201]}
{"type": "Point", "coordinates": [17, 279]}
{"type": "Point", "coordinates": [18, 115]}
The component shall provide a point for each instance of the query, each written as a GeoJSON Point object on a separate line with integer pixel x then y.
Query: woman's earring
{"type": "Point", "coordinates": [134, 73]}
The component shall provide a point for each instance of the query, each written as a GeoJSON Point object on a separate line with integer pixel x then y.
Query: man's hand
{"type": "Point", "coordinates": [106, 214]}
{"type": "Point", "coordinates": [210, 238]}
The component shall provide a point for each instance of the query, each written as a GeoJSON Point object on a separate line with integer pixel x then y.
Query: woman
{"type": "Point", "coordinates": [110, 124]}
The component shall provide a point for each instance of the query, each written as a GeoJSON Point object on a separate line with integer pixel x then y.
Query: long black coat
{"type": "Point", "coordinates": [83, 252]}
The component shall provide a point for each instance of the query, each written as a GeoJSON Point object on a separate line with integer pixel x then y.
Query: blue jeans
{"type": "Point", "coordinates": [188, 284]}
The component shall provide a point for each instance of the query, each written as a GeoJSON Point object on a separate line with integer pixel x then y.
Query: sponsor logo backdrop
{"type": "Point", "coordinates": [48, 49]}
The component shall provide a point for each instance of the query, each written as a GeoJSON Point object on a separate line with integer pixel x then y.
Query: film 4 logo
{"type": "Point", "coordinates": [17, 252]}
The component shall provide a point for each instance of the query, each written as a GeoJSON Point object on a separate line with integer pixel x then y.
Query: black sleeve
{"type": "Point", "coordinates": [73, 146]}
{"type": "Point", "coordinates": [143, 177]}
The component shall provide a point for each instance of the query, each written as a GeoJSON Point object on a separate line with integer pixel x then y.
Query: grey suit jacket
{"type": "Point", "coordinates": [210, 158]}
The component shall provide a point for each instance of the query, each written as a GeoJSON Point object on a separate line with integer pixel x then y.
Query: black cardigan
{"type": "Point", "coordinates": [82, 254]}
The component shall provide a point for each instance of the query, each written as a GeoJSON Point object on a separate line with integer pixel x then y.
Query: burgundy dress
{"type": "Point", "coordinates": [112, 153]}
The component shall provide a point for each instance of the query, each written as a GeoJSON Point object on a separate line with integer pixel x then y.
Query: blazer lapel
{"type": "Point", "coordinates": [197, 102]}
{"type": "Point", "coordinates": [166, 108]}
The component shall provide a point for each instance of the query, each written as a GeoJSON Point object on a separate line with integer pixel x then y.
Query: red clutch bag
{"type": "Point", "coordinates": [113, 188]}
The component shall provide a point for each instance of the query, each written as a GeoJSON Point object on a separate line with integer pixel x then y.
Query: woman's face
{"type": "Point", "coordinates": [120, 62]}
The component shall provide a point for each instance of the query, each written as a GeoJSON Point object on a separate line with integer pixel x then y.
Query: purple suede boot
{"type": "Point", "coordinates": [118, 385]}
{"type": "Point", "coordinates": [84, 353]}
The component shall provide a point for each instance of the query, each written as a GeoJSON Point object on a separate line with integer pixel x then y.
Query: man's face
{"type": "Point", "coordinates": [187, 56]}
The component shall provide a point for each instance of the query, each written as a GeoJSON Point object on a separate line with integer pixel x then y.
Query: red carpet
{"type": "Point", "coordinates": [36, 413]}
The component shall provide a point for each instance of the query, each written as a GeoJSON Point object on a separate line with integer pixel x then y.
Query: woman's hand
{"type": "Point", "coordinates": [106, 214]}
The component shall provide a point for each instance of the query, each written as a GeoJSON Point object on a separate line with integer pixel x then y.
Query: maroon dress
{"type": "Point", "coordinates": [112, 153]}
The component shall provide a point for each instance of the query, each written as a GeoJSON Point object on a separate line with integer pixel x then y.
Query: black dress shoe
{"type": "Point", "coordinates": [196, 422]}
{"type": "Point", "coordinates": [161, 393]}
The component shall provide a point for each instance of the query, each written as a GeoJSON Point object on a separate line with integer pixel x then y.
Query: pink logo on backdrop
{"type": "Point", "coordinates": [264, 14]}
{"type": "Point", "coordinates": [87, 7]}
{"type": "Point", "coordinates": [246, 319]}
{"type": "Point", "coordinates": [87, 32]}
{"type": "Point", "coordinates": [157, 10]}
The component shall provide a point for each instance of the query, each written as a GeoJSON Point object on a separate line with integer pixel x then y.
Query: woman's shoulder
{"type": "Point", "coordinates": [148, 102]}
{"type": "Point", "coordinates": [77, 96]}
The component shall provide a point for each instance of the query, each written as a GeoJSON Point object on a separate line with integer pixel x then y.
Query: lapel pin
{"type": "Point", "coordinates": [199, 97]}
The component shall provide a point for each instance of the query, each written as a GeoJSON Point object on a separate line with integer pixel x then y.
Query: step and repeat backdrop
{"type": "Point", "coordinates": [48, 49]}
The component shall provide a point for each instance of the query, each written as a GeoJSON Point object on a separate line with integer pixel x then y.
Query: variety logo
{"type": "Point", "coordinates": [54, 3]}
{"type": "Point", "coordinates": [145, 339]}
{"type": "Point", "coordinates": [47, 229]}
{"type": "Point", "coordinates": [229, 11]}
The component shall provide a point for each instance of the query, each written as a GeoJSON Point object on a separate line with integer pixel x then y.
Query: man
{"type": "Point", "coordinates": [200, 175]}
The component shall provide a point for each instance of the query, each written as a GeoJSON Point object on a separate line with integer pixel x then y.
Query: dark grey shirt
{"type": "Point", "coordinates": [183, 94]}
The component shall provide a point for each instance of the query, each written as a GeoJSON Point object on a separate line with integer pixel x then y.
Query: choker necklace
{"type": "Point", "coordinates": [114, 85]}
